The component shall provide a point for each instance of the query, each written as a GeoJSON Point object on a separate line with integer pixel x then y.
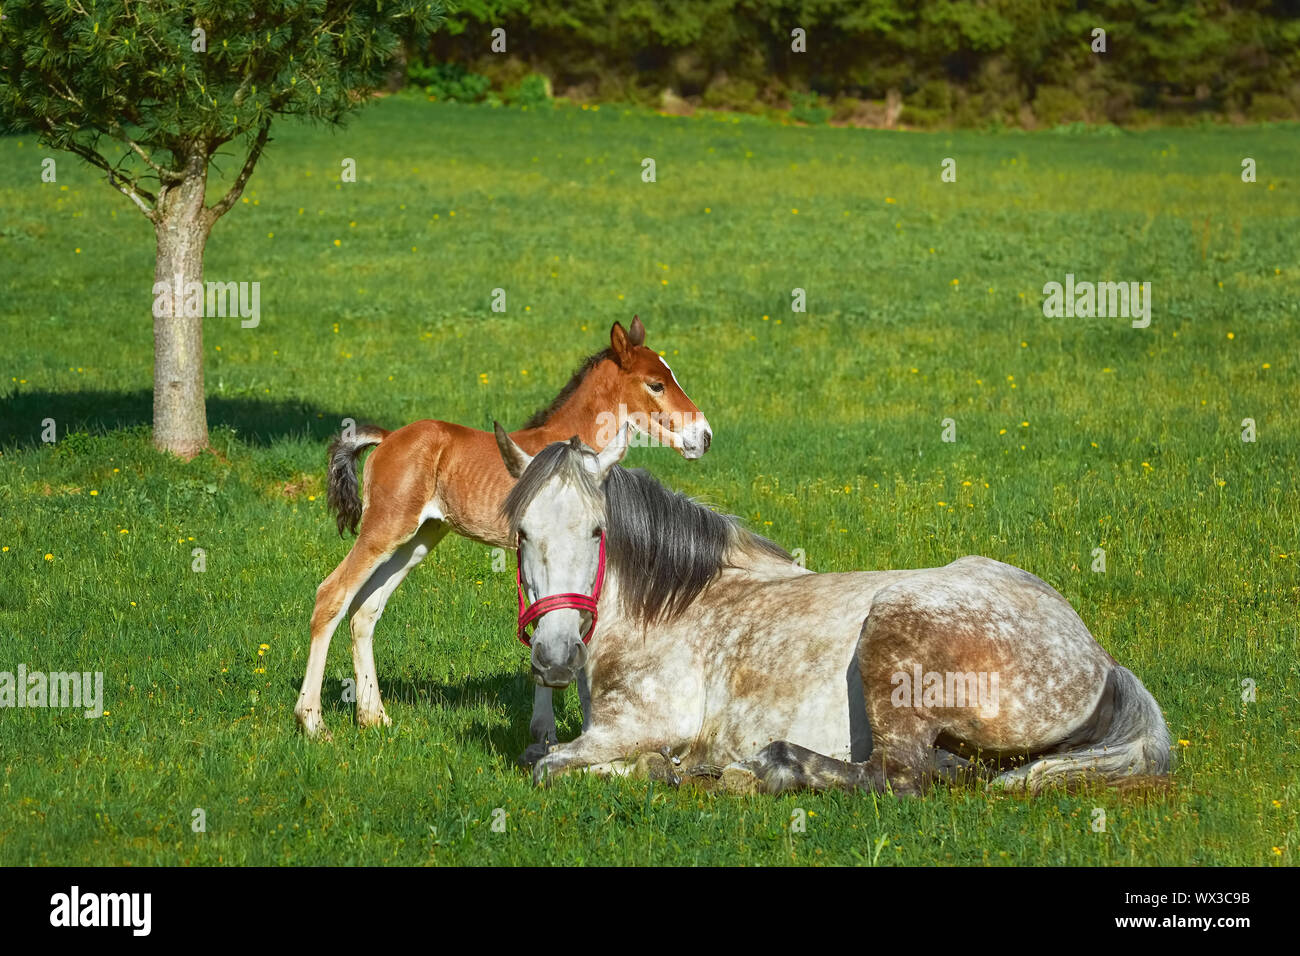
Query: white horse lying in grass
{"type": "Point", "coordinates": [711, 652]}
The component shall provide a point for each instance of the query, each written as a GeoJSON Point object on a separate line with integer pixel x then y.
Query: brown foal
{"type": "Point", "coordinates": [432, 477]}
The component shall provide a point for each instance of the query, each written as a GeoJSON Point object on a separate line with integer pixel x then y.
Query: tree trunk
{"type": "Point", "coordinates": [180, 421]}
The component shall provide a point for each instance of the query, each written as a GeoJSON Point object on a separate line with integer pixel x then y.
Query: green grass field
{"type": "Point", "coordinates": [924, 303]}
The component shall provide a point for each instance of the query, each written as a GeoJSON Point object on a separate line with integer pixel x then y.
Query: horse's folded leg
{"type": "Point", "coordinates": [533, 753]}
{"type": "Point", "coordinates": [740, 778]}
{"type": "Point", "coordinates": [546, 769]}
{"type": "Point", "coordinates": [781, 767]}
{"type": "Point", "coordinates": [656, 767]}
{"type": "Point", "coordinates": [957, 770]}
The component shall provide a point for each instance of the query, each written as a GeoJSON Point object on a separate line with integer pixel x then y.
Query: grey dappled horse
{"type": "Point", "coordinates": [715, 653]}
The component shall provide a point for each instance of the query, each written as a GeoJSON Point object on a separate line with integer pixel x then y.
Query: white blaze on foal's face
{"type": "Point", "coordinates": [688, 431]}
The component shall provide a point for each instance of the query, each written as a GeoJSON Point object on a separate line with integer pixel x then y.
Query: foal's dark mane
{"type": "Point", "coordinates": [664, 546]}
{"type": "Point", "coordinates": [542, 415]}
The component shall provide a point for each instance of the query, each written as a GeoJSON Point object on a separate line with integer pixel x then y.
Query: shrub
{"type": "Point", "coordinates": [531, 91]}
{"type": "Point", "coordinates": [922, 118]}
{"type": "Point", "coordinates": [1055, 105]}
{"type": "Point", "coordinates": [1270, 106]}
{"type": "Point", "coordinates": [728, 94]}
{"type": "Point", "coordinates": [808, 108]}
{"type": "Point", "coordinates": [449, 82]}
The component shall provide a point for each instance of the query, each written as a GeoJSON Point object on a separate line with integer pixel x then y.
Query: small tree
{"type": "Point", "coordinates": [149, 91]}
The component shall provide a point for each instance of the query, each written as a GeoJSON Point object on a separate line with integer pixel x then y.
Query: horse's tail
{"type": "Point", "coordinates": [342, 491]}
{"type": "Point", "coordinates": [1135, 744]}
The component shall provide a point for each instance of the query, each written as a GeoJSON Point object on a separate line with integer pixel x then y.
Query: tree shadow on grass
{"type": "Point", "coordinates": [256, 421]}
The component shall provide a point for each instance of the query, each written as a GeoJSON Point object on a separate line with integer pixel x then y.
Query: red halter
{"type": "Point", "coordinates": [581, 602]}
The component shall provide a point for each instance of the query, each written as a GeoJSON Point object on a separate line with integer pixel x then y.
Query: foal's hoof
{"type": "Point", "coordinates": [377, 719]}
{"type": "Point", "coordinates": [532, 753]}
{"type": "Point", "coordinates": [313, 728]}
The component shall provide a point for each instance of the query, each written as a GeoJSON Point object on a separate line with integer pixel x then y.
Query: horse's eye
{"type": "Point", "coordinates": [520, 535]}
{"type": "Point", "coordinates": [598, 532]}
{"type": "Point", "coordinates": [656, 387]}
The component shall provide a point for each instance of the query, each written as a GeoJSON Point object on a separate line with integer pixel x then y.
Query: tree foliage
{"type": "Point", "coordinates": [161, 77]}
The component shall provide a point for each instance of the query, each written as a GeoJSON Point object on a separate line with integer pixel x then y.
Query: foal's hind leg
{"type": "Point", "coordinates": [368, 606]}
{"type": "Point", "coordinates": [333, 597]}
{"type": "Point", "coordinates": [373, 547]}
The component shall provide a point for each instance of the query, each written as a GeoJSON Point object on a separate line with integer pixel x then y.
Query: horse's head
{"type": "Point", "coordinates": [556, 512]}
{"type": "Point", "coordinates": [647, 393]}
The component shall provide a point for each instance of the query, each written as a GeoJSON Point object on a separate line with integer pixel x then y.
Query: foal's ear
{"type": "Point", "coordinates": [636, 331]}
{"type": "Point", "coordinates": [516, 458]}
{"type": "Point", "coordinates": [613, 453]}
{"type": "Point", "coordinates": [621, 343]}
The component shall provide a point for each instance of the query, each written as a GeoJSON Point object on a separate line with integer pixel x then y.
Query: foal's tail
{"type": "Point", "coordinates": [1135, 744]}
{"type": "Point", "coordinates": [342, 493]}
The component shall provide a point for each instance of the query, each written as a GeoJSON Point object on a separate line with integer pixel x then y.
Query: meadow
{"type": "Point", "coordinates": [924, 303]}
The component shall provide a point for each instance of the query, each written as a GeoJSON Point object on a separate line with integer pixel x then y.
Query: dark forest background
{"type": "Point", "coordinates": [1026, 63]}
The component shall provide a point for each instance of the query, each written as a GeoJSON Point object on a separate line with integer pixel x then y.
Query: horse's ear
{"type": "Point", "coordinates": [620, 343]}
{"type": "Point", "coordinates": [636, 332]}
{"type": "Point", "coordinates": [613, 453]}
{"type": "Point", "coordinates": [516, 458]}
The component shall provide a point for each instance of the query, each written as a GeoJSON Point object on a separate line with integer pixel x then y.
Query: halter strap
{"type": "Point", "coordinates": [554, 602]}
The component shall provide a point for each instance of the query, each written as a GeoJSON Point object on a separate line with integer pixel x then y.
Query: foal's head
{"type": "Point", "coordinates": [557, 515]}
{"type": "Point", "coordinates": [648, 394]}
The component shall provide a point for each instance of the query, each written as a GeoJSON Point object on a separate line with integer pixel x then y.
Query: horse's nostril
{"type": "Point", "coordinates": [708, 440]}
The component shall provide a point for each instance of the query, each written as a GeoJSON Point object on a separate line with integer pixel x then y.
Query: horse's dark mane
{"type": "Point", "coordinates": [664, 546]}
{"type": "Point", "coordinates": [542, 415]}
